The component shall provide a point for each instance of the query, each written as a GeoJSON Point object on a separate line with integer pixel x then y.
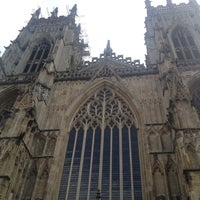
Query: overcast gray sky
{"type": "Point", "coordinates": [120, 21]}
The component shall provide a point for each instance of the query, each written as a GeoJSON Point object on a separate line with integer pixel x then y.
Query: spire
{"type": "Point", "coordinates": [36, 14]}
{"type": "Point", "coordinates": [54, 13]}
{"type": "Point", "coordinates": [108, 50]}
{"type": "Point", "coordinates": [73, 11]}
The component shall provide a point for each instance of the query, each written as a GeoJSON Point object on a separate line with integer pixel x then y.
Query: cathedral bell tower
{"type": "Point", "coordinates": [45, 44]}
{"type": "Point", "coordinates": [173, 46]}
{"type": "Point", "coordinates": [43, 47]}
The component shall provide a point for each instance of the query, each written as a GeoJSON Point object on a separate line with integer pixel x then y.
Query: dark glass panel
{"type": "Point", "coordinates": [196, 53]}
{"type": "Point", "coordinates": [183, 41]}
{"type": "Point", "coordinates": [46, 52]}
{"type": "Point", "coordinates": [33, 68]}
{"type": "Point", "coordinates": [188, 53]}
{"type": "Point", "coordinates": [26, 68]}
{"type": "Point", "coordinates": [136, 165]}
{"type": "Point", "coordinates": [180, 54]}
{"type": "Point", "coordinates": [126, 165]}
{"type": "Point", "coordinates": [106, 164]}
{"type": "Point", "coordinates": [86, 165]}
{"type": "Point", "coordinates": [67, 163]}
{"type": "Point", "coordinates": [40, 66]}
{"type": "Point", "coordinates": [33, 54]}
{"type": "Point", "coordinates": [39, 54]}
{"type": "Point", "coordinates": [115, 165]}
{"type": "Point", "coordinates": [191, 41]}
{"type": "Point", "coordinates": [76, 165]}
{"type": "Point", "coordinates": [95, 164]}
{"type": "Point", "coordinates": [176, 42]}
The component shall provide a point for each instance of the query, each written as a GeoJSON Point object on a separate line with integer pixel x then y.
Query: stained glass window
{"type": "Point", "coordinates": [184, 44]}
{"type": "Point", "coordinates": [37, 58]}
{"type": "Point", "coordinates": [102, 151]}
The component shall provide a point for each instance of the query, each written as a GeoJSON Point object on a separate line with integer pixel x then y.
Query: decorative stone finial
{"type": "Point", "coordinates": [108, 50]}
{"type": "Point", "coordinates": [36, 14]}
{"type": "Point", "coordinates": [148, 3]}
{"type": "Point", "coordinates": [169, 2]}
{"type": "Point", "coordinates": [73, 11]}
{"type": "Point", "coordinates": [54, 13]}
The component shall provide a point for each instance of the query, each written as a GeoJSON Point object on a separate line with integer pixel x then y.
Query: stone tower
{"type": "Point", "coordinates": [108, 128]}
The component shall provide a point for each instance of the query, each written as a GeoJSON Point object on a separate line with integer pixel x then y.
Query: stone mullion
{"type": "Point", "coordinates": [81, 162]}
{"type": "Point", "coordinates": [103, 123]}
{"type": "Point", "coordinates": [111, 144]}
{"type": "Point", "coordinates": [120, 160]}
{"type": "Point", "coordinates": [40, 59]}
{"type": "Point", "coordinates": [31, 62]}
{"type": "Point", "coordinates": [131, 164]}
{"type": "Point", "coordinates": [91, 160]}
{"type": "Point", "coordinates": [70, 171]}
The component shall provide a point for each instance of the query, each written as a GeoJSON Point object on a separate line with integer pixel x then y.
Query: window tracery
{"type": "Point", "coordinates": [184, 44]}
{"type": "Point", "coordinates": [102, 151]}
{"type": "Point", "coordinates": [38, 58]}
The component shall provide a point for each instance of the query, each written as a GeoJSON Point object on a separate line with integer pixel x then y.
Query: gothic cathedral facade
{"type": "Point", "coordinates": [109, 128]}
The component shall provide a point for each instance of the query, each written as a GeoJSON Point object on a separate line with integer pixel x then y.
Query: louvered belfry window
{"type": "Point", "coordinates": [37, 58]}
{"type": "Point", "coordinates": [102, 151]}
{"type": "Point", "coordinates": [184, 44]}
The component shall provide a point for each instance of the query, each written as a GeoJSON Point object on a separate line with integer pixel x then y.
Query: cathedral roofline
{"type": "Point", "coordinates": [53, 18]}
{"type": "Point", "coordinates": [170, 7]}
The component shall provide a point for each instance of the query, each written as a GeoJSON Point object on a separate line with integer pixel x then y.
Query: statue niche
{"type": "Point", "coordinates": [172, 180]}
{"type": "Point", "coordinates": [154, 142]}
{"type": "Point", "coordinates": [158, 178]}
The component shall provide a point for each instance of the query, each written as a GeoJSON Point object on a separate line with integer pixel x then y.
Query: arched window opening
{"type": "Point", "coordinates": [184, 44]}
{"type": "Point", "coordinates": [37, 58]}
{"type": "Point", "coordinates": [102, 151]}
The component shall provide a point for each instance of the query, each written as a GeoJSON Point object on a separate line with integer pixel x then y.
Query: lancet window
{"type": "Point", "coordinates": [184, 44]}
{"type": "Point", "coordinates": [102, 151]}
{"type": "Point", "coordinates": [38, 58]}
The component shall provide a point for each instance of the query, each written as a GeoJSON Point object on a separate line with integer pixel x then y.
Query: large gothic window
{"type": "Point", "coordinates": [102, 151]}
{"type": "Point", "coordinates": [184, 44]}
{"type": "Point", "coordinates": [37, 58]}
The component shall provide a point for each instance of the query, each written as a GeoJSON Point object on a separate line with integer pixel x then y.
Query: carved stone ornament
{"type": "Point", "coordinates": [42, 92]}
{"type": "Point", "coordinates": [171, 81]}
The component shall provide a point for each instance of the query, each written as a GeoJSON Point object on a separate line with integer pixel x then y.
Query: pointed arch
{"type": "Point", "coordinates": [38, 56]}
{"type": "Point", "coordinates": [154, 141]}
{"type": "Point", "coordinates": [102, 151]}
{"type": "Point", "coordinates": [158, 178]}
{"type": "Point", "coordinates": [123, 92]}
{"type": "Point", "coordinates": [166, 138]}
{"type": "Point", "coordinates": [184, 44]}
{"type": "Point", "coordinates": [30, 181]}
{"type": "Point", "coordinates": [172, 179]}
